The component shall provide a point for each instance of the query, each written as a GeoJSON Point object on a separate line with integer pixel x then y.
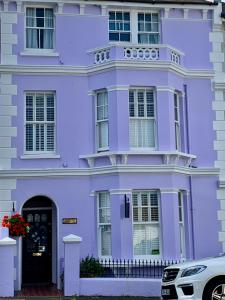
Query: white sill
{"type": "Point", "coordinates": [39, 53]}
{"type": "Point", "coordinates": [40, 156]}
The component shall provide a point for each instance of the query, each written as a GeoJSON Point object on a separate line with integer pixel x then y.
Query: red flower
{"type": "Point", "coordinates": [16, 224]}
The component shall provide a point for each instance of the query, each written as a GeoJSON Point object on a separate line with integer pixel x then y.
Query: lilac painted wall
{"type": "Point", "coordinates": [69, 182]}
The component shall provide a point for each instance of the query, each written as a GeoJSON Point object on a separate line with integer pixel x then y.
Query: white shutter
{"type": "Point", "coordinates": [142, 119]}
{"type": "Point", "coordinates": [40, 122]}
{"type": "Point", "coordinates": [145, 223]}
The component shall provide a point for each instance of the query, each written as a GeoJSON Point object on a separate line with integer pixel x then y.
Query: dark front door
{"type": "Point", "coordinates": [37, 247]}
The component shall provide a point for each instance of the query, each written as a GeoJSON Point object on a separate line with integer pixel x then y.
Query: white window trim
{"type": "Point", "coordinates": [148, 257]}
{"type": "Point", "coordinates": [98, 235]}
{"type": "Point", "coordinates": [177, 123]}
{"type": "Point", "coordinates": [38, 51]}
{"type": "Point", "coordinates": [100, 149]}
{"type": "Point", "coordinates": [182, 224]}
{"type": "Point", "coordinates": [36, 154]}
{"type": "Point", "coordinates": [134, 24]}
{"type": "Point", "coordinates": [155, 119]}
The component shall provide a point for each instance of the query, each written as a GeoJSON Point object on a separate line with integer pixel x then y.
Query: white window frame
{"type": "Point", "coordinates": [38, 51]}
{"type": "Point", "coordinates": [102, 224]}
{"type": "Point", "coordinates": [120, 31]}
{"type": "Point", "coordinates": [134, 25]}
{"type": "Point", "coordinates": [181, 224]}
{"type": "Point", "coordinates": [177, 121]}
{"type": "Point", "coordinates": [36, 152]}
{"type": "Point", "coordinates": [145, 89]}
{"type": "Point", "coordinates": [97, 122]}
{"type": "Point", "coordinates": [158, 223]}
{"type": "Point", "coordinates": [149, 32]}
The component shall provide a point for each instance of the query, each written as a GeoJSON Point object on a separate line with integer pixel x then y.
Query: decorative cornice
{"type": "Point", "coordinates": [70, 172]}
{"type": "Point", "coordinates": [112, 65]}
{"type": "Point", "coordinates": [120, 191]}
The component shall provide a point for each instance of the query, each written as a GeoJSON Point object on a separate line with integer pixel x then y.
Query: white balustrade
{"type": "Point", "coordinates": [175, 57]}
{"type": "Point", "coordinates": [141, 53]}
{"type": "Point", "coordinates": [102, 56]}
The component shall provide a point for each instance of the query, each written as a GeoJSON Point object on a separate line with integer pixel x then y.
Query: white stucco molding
{"type": "Point", "coordinates": [120, 191]}
{"type": "Point", "coordinates": [85, 71]}
{"type": "Point", "coordinates": [169, 191]}
{"type": "Point", "coordinates": [71, 239]}
{"type": "Point", "coordinates": [168, 157]}
{"type": "Point", "coordinates": [7, 241]}
{"type": "Point", "coordinates": [8, 175]}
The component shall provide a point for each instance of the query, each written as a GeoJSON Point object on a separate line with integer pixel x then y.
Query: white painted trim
{"type": "Point", "coordinates": [165, 89]}
{"type": "Point", "coordinates": [37, 173]}
{"type": "Point", "coordinates": [41, 53]}
{"type": "Point", "coordinates": [117, 88]}
{"type": "Point", "coordinates": [7, 241]}
{"type": "Point", "coordinates": [209, 5]}
{"type": "Point", "coordinates": [120, 191]}
{"type": "Point", "coordinates": [169, 191]}
{"type": "Point", "coordinates": [40, 156]}
{"type": "Point", "coordinates": [128, 64]}
{"type": "Point", "coordinates": [132, 44]}
{"type": "Point", "coordinates": [71, 238]}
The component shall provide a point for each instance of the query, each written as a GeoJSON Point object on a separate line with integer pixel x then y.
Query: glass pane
{"type": "Point", "coordinates": [43, 217]}
{"type": "Point", "coordinates": [126, 16]}
{"type": "Point", "coordinates": [119, 16]}
{"type": "Point", "coordinates": [140, 26]}
{"type": "Point", "coordinates": [50, 137]}
{"type": "Point", "coordinates": [113, 36]}
{"type": "Point", "coordinates": [29, 137]}
{"type": "Point", "coordinates": [142, 38]}
{"type": "Point", "coordinates": [126, 26]}
{"type": "Point", "coordinates": [40, 22]}
{"type": "Point", "coordinates": [112, 26]}
{"type": "Point", "coordinates": [40, 12]}
{"type": "Point", "coordinates": [125, 37]}
{"type": "Point", "coordinates": [148, 17]}
{"type": "Point", "coordinates": [103, 134]}
{"type": "Point", "coordinates": [37, 218]}
{"type": "Point", "coordinates": [140, 17]}
{"type": "Point", "coordinates": [112, 15]}
{"type": "Point", "coordinates": [30, 218]}
{"type": "Point", "coordinates": [106, 240]}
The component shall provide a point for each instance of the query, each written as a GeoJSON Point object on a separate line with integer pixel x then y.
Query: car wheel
{"type": "Point", "coordinates": [215, 290]}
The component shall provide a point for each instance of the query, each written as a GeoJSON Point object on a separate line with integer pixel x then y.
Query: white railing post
{"type": "Point", "coordinates": [71, 264]}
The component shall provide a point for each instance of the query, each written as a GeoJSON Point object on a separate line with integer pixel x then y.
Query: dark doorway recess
{"type": "Point", "coordinates": [37, 246]}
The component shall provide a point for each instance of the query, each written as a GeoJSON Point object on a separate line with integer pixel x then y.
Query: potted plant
{"type": "Point", "coordinates": [16, 224]}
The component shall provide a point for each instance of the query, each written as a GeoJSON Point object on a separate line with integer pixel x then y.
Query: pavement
{"type": "Point", "coordinates": [82, 298]}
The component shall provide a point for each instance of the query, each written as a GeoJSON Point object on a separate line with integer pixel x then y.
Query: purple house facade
{"type": "Point", "coordinates": [106, 121]}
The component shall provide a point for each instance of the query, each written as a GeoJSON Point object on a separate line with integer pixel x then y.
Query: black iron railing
{"type": "Point", "coordinates": [131, 268]}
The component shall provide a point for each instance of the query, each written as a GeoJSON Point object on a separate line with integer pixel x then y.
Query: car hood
{"type": "Point", "coordinates": [204, 261]}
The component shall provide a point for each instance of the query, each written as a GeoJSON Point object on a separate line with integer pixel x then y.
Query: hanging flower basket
{"type": "Point", "coordinates": [16, 224]}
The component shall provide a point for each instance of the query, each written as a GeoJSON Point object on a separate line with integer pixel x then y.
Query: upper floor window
{"type": "Point", "coordinates": [39, 28]}
{"type": "Point", "coordinates": [146, 231]}
{"type": "Point", "coordinates": [148, 28]}
{"type": "Point", "coordinates": [104, 224]}
{"type": "Point", "coordinates": [138, 27]}
{"type": "Point", "coordinates": [142, 118]}
{"type": "Point", "coordinates": [40, 122]}
{"type": "Point", "coordinates": [102, 130]}
{"type": "Point", "coordinates": [119, 26]}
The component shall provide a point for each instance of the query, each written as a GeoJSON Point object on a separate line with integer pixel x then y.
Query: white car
{"type": "Point", "coordinates": [195, 280]}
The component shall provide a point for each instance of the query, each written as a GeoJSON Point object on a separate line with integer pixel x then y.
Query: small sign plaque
{"type": "Point", "coordinates": [69, 220]}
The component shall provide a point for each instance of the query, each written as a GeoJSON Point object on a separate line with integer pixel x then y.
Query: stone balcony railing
{"type": "Point", "coordinates": [139, 52]}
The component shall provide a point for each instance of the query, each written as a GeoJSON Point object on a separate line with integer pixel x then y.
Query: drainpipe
{"type": "Point", "coordinates": [190, 176]}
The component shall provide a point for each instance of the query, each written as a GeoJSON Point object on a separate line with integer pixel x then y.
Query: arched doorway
{"type": "Point", "coordinates": [39, 247]}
